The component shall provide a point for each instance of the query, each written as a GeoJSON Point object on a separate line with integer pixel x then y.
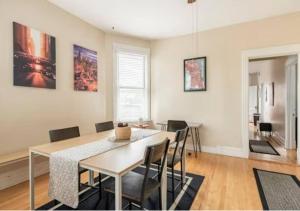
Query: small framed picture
{"type": "Point", "coordinates": [194, 74]}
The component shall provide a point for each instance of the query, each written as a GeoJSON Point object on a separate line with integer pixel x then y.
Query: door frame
{"type": "Point", "coordinates": [288, 105]}
{"type": "Point", "coordinates": [285, 50]}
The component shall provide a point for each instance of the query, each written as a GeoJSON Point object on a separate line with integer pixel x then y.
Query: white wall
{"type": "Point", "coordinates": [220, 107]}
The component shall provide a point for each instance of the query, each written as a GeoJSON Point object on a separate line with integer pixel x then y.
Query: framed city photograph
{"type": "Point", "coordinates": [34, 58]}
{"type": "Point", "coordinates": [194, 74]}
{"type": "Point", "coordinates": [85, 69]}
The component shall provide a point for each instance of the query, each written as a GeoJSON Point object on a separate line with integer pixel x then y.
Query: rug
{"type": "Point", "coordinates": [183, 197]}
{"type": "Point", "coordinates": [278, 191]}
{"type": "Point", "coordinates": [263, 147]}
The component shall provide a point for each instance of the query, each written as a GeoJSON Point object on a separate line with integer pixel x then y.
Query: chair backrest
{"type": "Point", "coordinates": [174, 125]}
{"type": "Point", "coordinates": [65, 133]}
{"type": "Point", "coordinates": [155, 153]}
{"type": "Point", "coordinates": [104, 126]}
{"type": "Point", "coordinates": [180, 138]}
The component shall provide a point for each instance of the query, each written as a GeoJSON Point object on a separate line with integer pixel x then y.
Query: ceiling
{"type": "Point", "coordinates": [156, 19]}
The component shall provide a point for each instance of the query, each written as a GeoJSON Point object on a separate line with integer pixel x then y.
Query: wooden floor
{"type": "Point", "coordinates": [229, 184]}
{"type": "Point", "coordinates": [286, 156]}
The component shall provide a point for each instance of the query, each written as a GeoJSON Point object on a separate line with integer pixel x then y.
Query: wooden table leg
{"type": "Point", "coordinates": [194, 140]}
{"type": "Point", "coordinates": [118, 192]}
{"type": "Point", "coordinates": [164, 186]}
{"type": "Point", "coordinates": [198, 138]}
{"type": "Point", "coordinates": [31, 180]}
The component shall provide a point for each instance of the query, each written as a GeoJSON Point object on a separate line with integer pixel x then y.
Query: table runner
{"type": "Point", "coordinates": [64, 165]}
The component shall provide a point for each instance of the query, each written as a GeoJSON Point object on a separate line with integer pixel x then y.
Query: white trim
{"type": "Point", "coordinates": [221, 150]}
{"type": "Point", "coordinates": [133, 49]}
{"type": "Point", "coordinates": [289, 106]}
{"type": "Point", "coordinates": [261, 53]}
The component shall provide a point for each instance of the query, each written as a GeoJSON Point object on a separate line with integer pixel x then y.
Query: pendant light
{"type": "Point", "coordinates": [195, 41]}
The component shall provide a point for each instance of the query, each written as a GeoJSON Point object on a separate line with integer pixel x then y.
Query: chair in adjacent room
{"type": "Point", "coordinates": [104, 126]}
{"type": "Point", "coordinates": [67, 133]}
{"type": "Point", "coordinates": [136, 187]}
{"type": "Point", "coordinates": [176, 157]}
{"type": "Point", "coordinates": [265, 127]}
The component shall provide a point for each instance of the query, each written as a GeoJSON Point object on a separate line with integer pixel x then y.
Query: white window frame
{"type": "Point", "coordinates": [131, 49]}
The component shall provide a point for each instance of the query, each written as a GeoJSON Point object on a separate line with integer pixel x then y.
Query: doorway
{"type": "Point", "coordinates": [270, 103]}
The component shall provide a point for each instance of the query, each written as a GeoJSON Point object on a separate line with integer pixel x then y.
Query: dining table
{"type": "Point", "coordinates": [115, 162]}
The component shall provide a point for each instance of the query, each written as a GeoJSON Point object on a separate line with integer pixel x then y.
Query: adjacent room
{"type": "Point", "coordinates": [149, 105]}
{"type": "Point", "coordinates": [273, 108]}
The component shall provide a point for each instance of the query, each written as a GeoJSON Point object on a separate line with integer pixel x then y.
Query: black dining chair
{"type": "Point", "coordinates": [174, 125]}
{"type": "Point", "coordinates": [136, 187]}
{"type": "Point", "coordinates": [67, 133]}
{"type": "Point", "coordinates": [104, 126]}
{"type": "Point", "coordinates": [176, 157]}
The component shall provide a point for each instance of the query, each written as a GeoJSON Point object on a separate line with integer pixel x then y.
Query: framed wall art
{"type": "Point", "coordinates": [195, 74]}
{"type": "Point", "coordinates": [85, 69]}
{"type": "Point", "coordinates": [34, 58]}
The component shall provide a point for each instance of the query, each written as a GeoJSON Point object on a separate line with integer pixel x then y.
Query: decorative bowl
{"type": "Point", "coordinates": [123, 133]}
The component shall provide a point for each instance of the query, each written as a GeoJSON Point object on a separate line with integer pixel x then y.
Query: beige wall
{"type": "Point", "coordinates": [273, 71]}
{"type": "Point", "coordinates": [26, 114]}
{"type": "Point", "coordinates": [219, 108]}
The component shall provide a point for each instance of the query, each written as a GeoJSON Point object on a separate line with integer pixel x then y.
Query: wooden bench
{"type": "Point", "coordinates": [14, 157]}
{"type": "Point", "coordinates": [12, 176]}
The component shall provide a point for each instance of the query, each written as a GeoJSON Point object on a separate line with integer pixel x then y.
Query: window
{"type": "Point", "coordinates": [131, 87]}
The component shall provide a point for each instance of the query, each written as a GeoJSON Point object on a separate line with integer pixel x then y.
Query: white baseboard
{"type": "Point", "coordinates": [221, 150]}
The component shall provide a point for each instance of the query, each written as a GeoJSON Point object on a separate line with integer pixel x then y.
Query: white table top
{"type": "Point", "coordinates": [115, 161]}
{"type": "Point", "coordinates": [120, 160]}
{"type": "Point", "coordinates": [190, 124]}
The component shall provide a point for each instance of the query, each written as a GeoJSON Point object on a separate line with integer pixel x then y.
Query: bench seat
{"type": "Point", "coordinates": [14, 157]}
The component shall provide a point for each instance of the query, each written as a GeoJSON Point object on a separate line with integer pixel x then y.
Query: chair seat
{"type": "Point", "coordinates": [132, 186]}
{"type": "Point", "coordinates": [169, 163]}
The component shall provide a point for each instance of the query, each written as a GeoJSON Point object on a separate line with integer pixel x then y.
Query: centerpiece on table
{"type": "Point", "coordinates": [123, 131]}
